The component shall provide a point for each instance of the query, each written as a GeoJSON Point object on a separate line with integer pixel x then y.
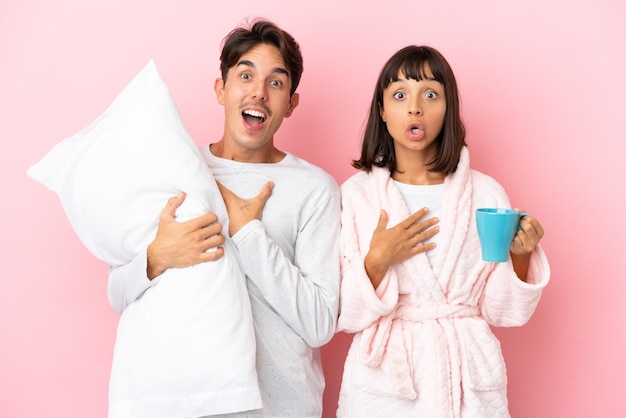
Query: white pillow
{"type": "Point", "coordinates": [114, 176]}
{"type": "Point", "coordinates": [187, 347]}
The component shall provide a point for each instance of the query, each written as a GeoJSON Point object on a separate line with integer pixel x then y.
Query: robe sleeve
{"type": "Point", "coordinates": [360, 303]}
{"type": "Point", "coordinates": [507, 300]}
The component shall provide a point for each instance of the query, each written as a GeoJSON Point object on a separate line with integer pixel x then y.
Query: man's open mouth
{"type": "Point", "coordinates": [253, 117]}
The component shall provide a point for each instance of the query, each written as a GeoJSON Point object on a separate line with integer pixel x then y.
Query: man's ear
{"type": "Point", "coordinates": [219, 90]}
{"type": "Point", "coordinates": [293, 103]}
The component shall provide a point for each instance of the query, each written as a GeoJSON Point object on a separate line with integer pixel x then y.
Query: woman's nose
{"type": "Point", "coordinates": [415, 107]}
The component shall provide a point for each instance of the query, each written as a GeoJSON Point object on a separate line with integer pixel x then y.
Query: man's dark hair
{"type": "Point", "coordinates": [261, 31]}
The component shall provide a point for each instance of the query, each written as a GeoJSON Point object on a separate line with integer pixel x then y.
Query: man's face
{"type": "Point", "coordinates": [256, 97]}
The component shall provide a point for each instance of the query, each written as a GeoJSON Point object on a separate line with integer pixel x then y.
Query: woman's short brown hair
{"type": "Point", "coordinates": [378, 146]}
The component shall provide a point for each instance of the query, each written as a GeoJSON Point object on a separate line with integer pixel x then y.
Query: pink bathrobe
{"type": "Point", "coordinates": [423, 346]}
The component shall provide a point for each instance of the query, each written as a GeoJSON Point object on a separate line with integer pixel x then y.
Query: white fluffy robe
{"type": "Point", "coordinates": [423, 344]}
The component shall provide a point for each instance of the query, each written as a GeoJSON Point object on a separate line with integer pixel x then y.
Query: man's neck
{"type": "Point", "coordinates": [269, 154]}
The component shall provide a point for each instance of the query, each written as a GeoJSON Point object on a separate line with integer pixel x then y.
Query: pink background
{"type": "Point", "coordinates": [543, 91]}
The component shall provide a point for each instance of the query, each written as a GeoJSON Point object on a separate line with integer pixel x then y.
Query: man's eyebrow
{"type": "Point", "coordinates": [278, 70]}
{"type": "Point", "coordinates": [247, 63]}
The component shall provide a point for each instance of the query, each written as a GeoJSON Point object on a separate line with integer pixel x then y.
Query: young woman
{"type": "Point", "coordinates": [416, 292]}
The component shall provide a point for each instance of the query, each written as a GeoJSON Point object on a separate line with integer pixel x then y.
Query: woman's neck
{"type": "Point", "coordinates": [413, 169]}
{"type": "Point", "coordinates": [418, 177]}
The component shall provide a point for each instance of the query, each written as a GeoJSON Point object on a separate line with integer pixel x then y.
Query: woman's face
{"type": "Point", "coordinates": [414, 112]}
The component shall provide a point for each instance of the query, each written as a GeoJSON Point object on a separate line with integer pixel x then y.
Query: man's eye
{"type": "Point", "coordinates": [399, 95]}
{"type": "Point", "coordinates": [245, 76]}
{"type": "Point", "coordinates": [276, 83]}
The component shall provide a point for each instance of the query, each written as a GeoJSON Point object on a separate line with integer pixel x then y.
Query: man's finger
{"type": "Point", "coordinates": [173, 204]}
{"type": "Point", "coordinates": [224, 191]}
{"type": "Point", "coordinates": [265, 192]}
{"type": "Point", "coordinates": [202, 221]}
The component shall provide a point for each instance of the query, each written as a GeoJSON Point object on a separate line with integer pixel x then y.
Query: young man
{"type": "Point", "coordinates": [283, 218]}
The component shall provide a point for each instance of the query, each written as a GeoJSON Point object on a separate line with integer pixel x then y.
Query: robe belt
{"type": "Point", "coordinates": [429, 313]}
{"type": "Point", "coordinates": [389, 345]}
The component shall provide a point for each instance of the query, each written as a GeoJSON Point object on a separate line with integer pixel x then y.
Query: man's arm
{"type": "Point", "coordinates": [177, 245]}
{"type": "Point", "coordinates": [302, 287]}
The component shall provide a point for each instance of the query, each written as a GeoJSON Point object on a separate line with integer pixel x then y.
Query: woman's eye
{"type": "Point", "coordinates": [398, 95]}
{"type": "Point", "coordinates": [431, 95]}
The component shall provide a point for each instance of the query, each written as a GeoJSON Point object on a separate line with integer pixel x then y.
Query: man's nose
{"type": "Point", "coordinates": [259, 91]}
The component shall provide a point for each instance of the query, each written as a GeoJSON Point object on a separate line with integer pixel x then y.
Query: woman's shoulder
{"type": "Point", "coordinates": [365, 179]}
{"type": "Point", "coordinates": [482, 180]}
{"type": "Point", "coordinates": [487, 187]}
{"type": "Point", "coordinates": [356, 179]}
{"type": "Point", "coordinates": [357, 186]}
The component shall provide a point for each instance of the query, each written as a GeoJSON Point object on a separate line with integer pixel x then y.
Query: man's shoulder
{"type": "Point", "coordinates": [301, 170]}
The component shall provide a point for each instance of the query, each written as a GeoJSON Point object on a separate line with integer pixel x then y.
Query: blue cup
{"type": "Point", "coordinates": [496, 230]}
